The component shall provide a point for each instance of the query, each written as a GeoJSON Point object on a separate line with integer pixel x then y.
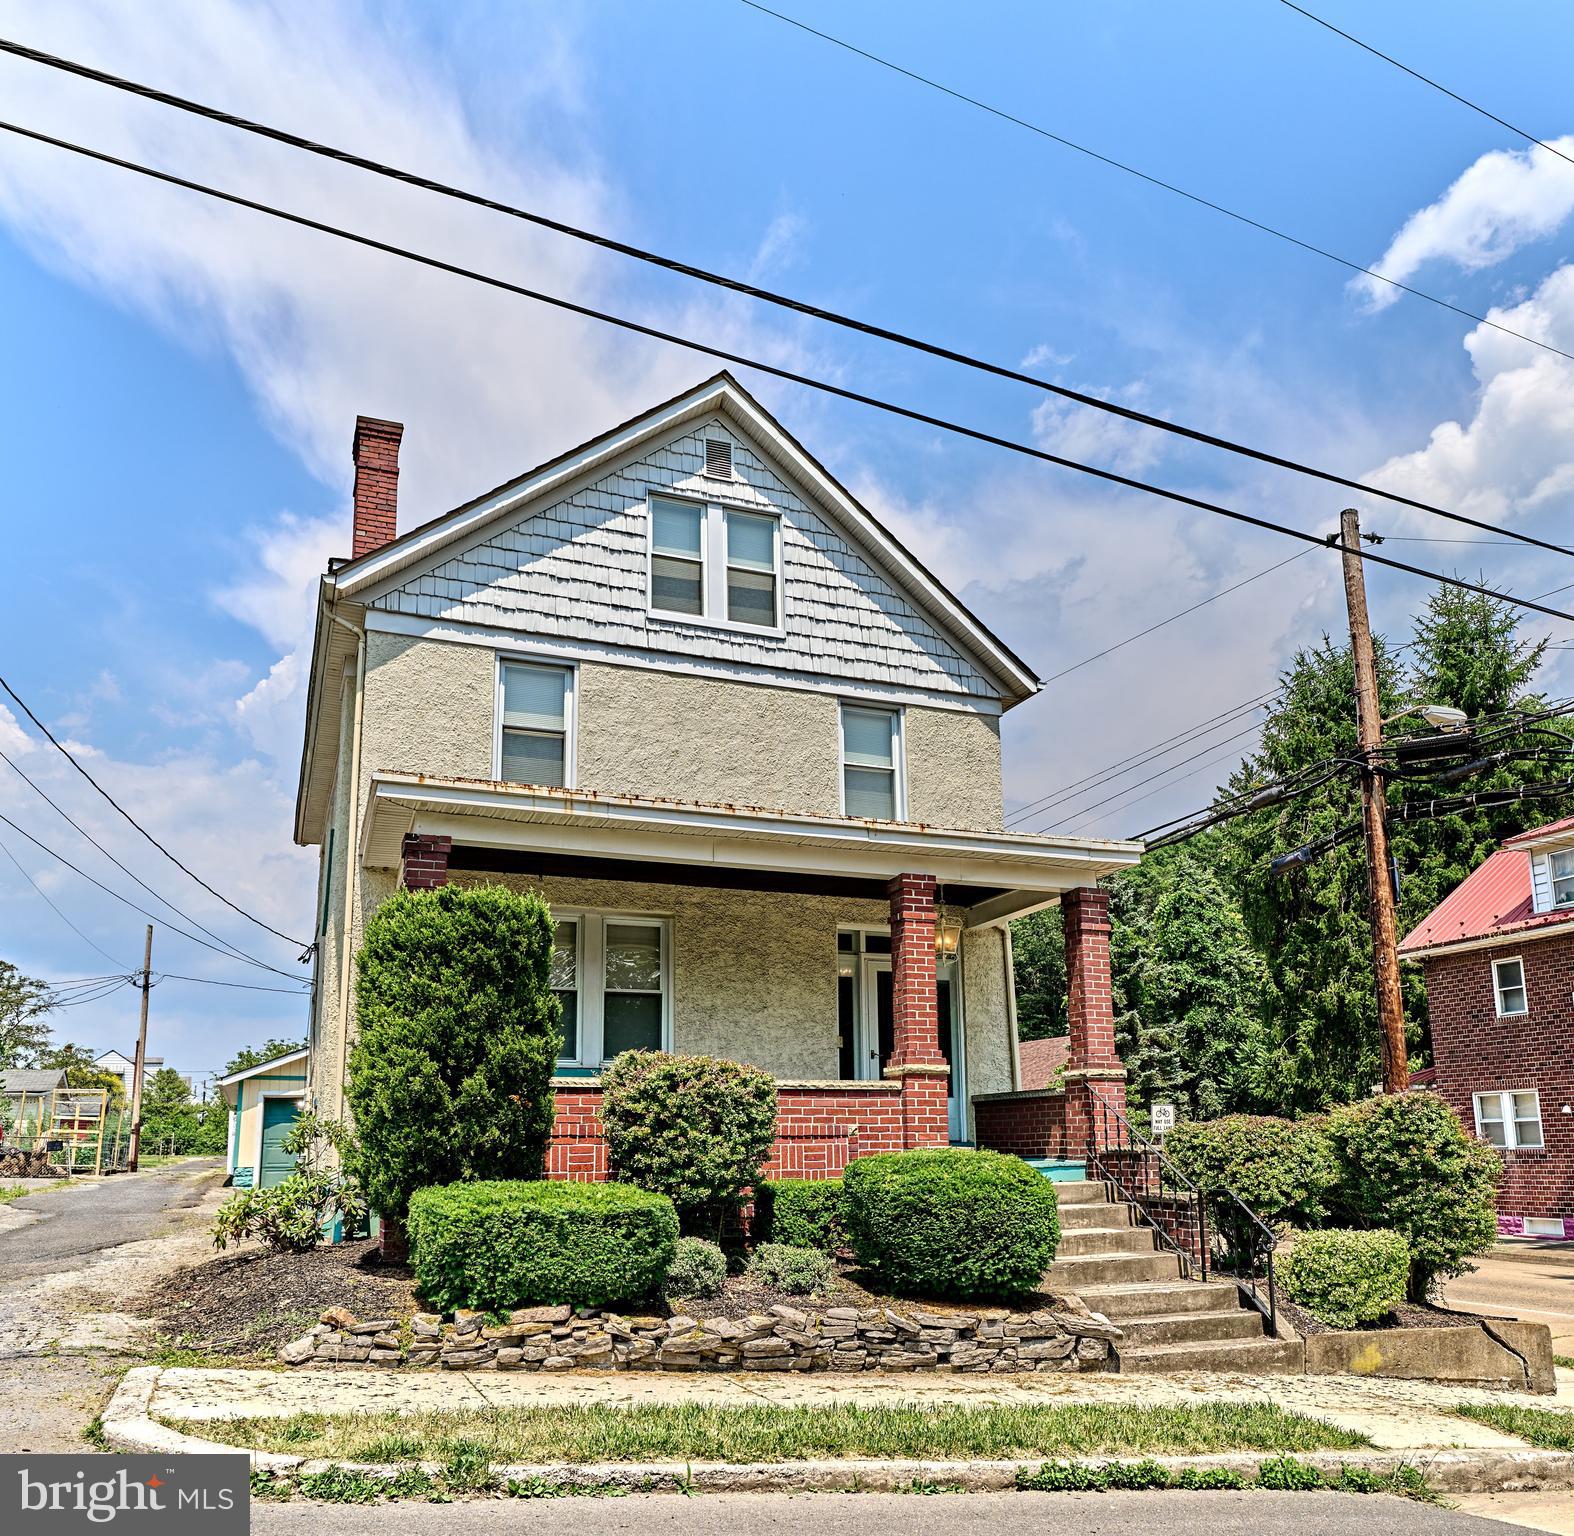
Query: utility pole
{"type": "Point", "coordinates": [1374, 815]}
{"type": "Point", "coordinates": [142, 1051]}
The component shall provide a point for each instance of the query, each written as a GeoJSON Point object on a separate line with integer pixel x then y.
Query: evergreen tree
{"type": "Point", "coordinates": [168, 1115]}
{"type": "Point", "coordinates": [1038, 951]}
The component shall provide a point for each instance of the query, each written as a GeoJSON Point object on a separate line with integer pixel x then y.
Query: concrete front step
{"type": "Point", "coordinates": [1121, 1303]}
{"type": "Point", "coordinates": [1190, 1328]}
{"type": "Point", "coordinates": [1251, 1357]}
{"type": "Point", "coordinates": [1080, 1242]}
{"type": "Point", "coordinates": [1075, 1217]}
{"type": "Point", "coordinates": [1080, 1273]}
{"type": "Point", "coordinates": [1081, 1192]}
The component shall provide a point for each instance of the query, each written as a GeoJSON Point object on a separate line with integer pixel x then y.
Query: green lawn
{"type": "Point", "coordinates": [702, 1432]}
{"type": "Point", "coordinates": [1547, 1428]}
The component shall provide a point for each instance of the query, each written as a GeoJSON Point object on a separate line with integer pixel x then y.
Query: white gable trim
{"type": "Point", "coordinates": [565, 649]}
{"type": "Point", "coordinates": [367, 579]}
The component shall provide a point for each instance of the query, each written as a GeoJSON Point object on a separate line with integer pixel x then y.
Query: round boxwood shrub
{"type": "Point", "coordinates": [696, 1129]}
{"type": "Point", "coordinates": [807, 1213]}
{"type": "Point", "coordinates": [948, 1221]}
{"type": "Point", "coordinates": [698, 1269]}
{"type": "Point", "coordinates": [1406, 1162]}
{"type": "Point", "coordinates": [1282, 1170]}
{"type": "Point", "coordinates": [502, 1244]}
{"type": "Point", "coordinates": [1346, 1278]}
{"type": "Point", "coordinates": [797, 1271]}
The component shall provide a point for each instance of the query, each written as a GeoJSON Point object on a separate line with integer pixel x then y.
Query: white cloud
{"type": "Point", "coordinates": [1503, 202]}
{"type": "Point", "coordinates": [1097, 437]}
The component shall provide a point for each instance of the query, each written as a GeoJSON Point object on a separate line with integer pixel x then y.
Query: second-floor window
{"type": "Point", "coordinates": [1508, 986]}
{"type": "Point", "coordinates": [715, 564]}
{"type": "Point", "coordinates": [871, 762]}
{"type": "Point", "coordinates": [1561, 867]}
{"type": "Point", "coordinates": [535, 704]}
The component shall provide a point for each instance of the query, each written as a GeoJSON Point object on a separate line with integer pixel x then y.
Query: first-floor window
{"type": "Point", "coordinates": [1509, 1119]}
{"type": "Point", "coordinates": [612, 975]}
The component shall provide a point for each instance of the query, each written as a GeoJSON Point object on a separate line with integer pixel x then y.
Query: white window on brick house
{"type": "Point", "coordinates": [716, 565]}
{"type": "Point", "coordinates": [565, 984]}
{"type": "Point", "coordinates": [1560, 866]}
{"type": "Point", "coordinates": [872, 762]}
{"type": "Point", "coordinates": [613, 976]}
{"type": "Point", "coordinates": [535, 720]}
{"type": "Point", "coordinates": [1511, 1118]}
{"type": "Point", "coordinates": [1508, 987]}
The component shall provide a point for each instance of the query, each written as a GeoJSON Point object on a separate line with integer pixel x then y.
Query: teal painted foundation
{"type": "Point", "coordinates": [1058, 1171]}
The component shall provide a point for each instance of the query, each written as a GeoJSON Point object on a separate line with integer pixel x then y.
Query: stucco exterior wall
{"type": "Point", "coordinates": [953, 768]}
{"type": "Point", "coordinates": [985, 1000]}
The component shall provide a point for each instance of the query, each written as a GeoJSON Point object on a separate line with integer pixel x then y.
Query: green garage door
{"type": "Point", "coordinates": [278, 1115]}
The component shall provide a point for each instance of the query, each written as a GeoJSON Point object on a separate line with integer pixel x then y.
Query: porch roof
{"type": "Point", "coordinates": [1003, 873]}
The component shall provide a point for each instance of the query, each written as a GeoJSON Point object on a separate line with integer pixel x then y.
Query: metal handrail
{"type": "Point", "coordinates": [1109, 1130]}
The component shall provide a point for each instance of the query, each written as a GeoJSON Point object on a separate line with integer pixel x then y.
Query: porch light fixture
{"type": "Point", "coordinates": [948, 936]}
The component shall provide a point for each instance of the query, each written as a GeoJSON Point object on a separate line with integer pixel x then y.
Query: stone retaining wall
{"type": "Point", "coordinates": [1066, 1338]}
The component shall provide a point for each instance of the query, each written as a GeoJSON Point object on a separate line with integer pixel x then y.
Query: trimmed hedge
{"type": "Point", "coordinates": [806, 1213]}
{"type": "Point", "coordinates": [797, 1271]}
{"type": "Point", "coordinates": [1346, 1278]}
{"type": "Point", "coordinates": [1406, 1162]}
{"type": "Point", "coordinates": [948, 1221]}
{"type": "Point", "coordinates": [697, 1129]}
{"type": "Point", "coordinates": [504, 1244]}
{"type": "Point", "coordinates": [698, 1269]}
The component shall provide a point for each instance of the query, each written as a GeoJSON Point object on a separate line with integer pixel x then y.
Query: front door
{"type": "Point", "coordinates": [278, 1119]}
{"type": "Point", "coordinates": [876, 1036]}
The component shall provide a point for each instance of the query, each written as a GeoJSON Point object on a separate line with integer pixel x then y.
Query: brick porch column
{"type": "Point", "coordinates": [1093, 1066]}
{"type": "Point", "coordinates": [423, 862]}
{"type": "Point", "coordinates": [915, 1050]}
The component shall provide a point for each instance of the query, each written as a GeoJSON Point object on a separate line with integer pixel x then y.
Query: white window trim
{"type": "Point", "coordinates": [713, 567]}
{"type": "Point", "coordinates": [898, 750]}
{"type": "Point", "coordinates": [590, 972]}
{"type": "Point", "coordinates": [1497, 987]}
{"type": "Point", "coordinates": [570, 710]}
{"type": "Point", "coordinates": [1505, 1117]}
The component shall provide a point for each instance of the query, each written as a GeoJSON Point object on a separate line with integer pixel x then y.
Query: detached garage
{"type": "Point", "coordinates": [264, 1102]}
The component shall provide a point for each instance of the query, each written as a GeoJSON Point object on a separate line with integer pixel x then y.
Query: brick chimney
{"type": "Point", "coordinates": [375, 451]}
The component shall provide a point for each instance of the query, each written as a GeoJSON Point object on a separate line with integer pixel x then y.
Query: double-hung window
{"type": "Point", "coordinates": [1561, 867]}
{"type": "Point", "coordinates": [871, 762]}
{"type": "Point", "coordinates": [1508, 987]}
{"type": "Point", "coordinates": [715, 564]}
{"type": "Point", "coordinates": [1509, 1119]}
{"type": "Point", "coordinates": [612, 975]}
{"type": "Point", "coordinates": [535, 704]}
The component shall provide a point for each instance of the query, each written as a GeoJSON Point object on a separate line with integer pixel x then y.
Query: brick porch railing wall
{"type": "Point", "coordinates": [1030, 1124]}
{"type": "Point", "coordinates": [820, 1128]}
{"type": "Point", "coordinates": [1477, 1052]}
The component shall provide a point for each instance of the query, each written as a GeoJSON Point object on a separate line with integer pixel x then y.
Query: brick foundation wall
{"type": "Point", "coordinates": [1475, 1051]}
{"type": "Point", "coordinates": [1028, 1124]}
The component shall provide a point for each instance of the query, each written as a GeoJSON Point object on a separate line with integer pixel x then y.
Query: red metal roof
{"type": "Point", "coordinates": [1042, 1059]}
{"type": "Point", "coordinates": [1535, 834]}
{"type": "Point", "coordinates": [1494, 900]}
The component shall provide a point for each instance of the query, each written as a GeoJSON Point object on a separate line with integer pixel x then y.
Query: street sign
{"type": "Point", "coordinates": [1162, 1118]}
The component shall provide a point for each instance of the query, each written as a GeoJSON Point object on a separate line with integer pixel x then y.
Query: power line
{"type": "Point", "coordinates": [130, 874]}
{"type": "Point", "coordinates": [126, 900]}
{"type": "Point", "coordinates": [1415, 74]}
{"type": "Point", "coordinates": [908, 413]}
{"type": "Point", "coordinates": [1120, 644]}
{"type": "Point", "coordinates": [749, 290]}
{"type": "Point", "coordinates": [91, 944]}
{"type": "Point", "coordinates": [64, 752]}
{"type": "Point", "coordinates": [245, 986]}
{"type": "Point", "coordinates": [1156, 181]}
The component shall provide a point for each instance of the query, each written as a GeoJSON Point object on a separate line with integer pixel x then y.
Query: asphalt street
{"type": "Point", "coordinates": [1533, 1281]}
{"type": "Point", "coordinates": [885, 1514]}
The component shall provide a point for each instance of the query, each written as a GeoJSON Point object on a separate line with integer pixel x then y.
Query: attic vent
{"type": "Point", "coordinates": [718, 458]}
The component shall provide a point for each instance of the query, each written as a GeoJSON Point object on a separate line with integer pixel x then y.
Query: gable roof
{"type": "Point", "coordinates": [362, 579]}
{"type": "Point", "coordinates": [19, 1080]}
{"type": "Point", "coordinates": [271, 1065]}
{"type": "Point", "coordinates": [1541, 837]}
{"type": "Point", "coordinates": [1494, 902]}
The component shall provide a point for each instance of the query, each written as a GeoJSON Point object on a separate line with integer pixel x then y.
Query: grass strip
{"type": "Point", "coordinates": [1549, 1429]}
{"type": "Point", "coordinates": [765, 1432]}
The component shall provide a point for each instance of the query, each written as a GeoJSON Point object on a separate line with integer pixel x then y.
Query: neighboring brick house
{"type": "Point", "coordinates": [680, 682]}
{"type": "Point", "coordinates": [1499, 962]}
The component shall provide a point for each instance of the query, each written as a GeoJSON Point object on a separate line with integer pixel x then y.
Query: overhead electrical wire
{"type": "Point", "coordinates": [1415, 74]}
{"type": "Point", "coordinates": [44, 897]}
{"type": "Point", "coordinates": [731, 284]}
{"type": "Point", "coordinates": [907, 413]}
{"type": "Point", "coordinates": [245, 986]}
{"type": "Point", "coordinates": [1155, 181]}
{"type": "Point", "coordinates": [189, 873]}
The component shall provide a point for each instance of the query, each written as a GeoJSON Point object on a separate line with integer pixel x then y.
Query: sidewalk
{"type": "Point", "coordinates": [1396, 1415]}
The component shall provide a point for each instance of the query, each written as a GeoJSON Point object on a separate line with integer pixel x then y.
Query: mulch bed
{"type": "Point", "coordinates": [249, 1303]}
{"type": "Point", "coordinates": [1409, 1315]}
{"type": "Point", "coordinates": [852, 1287]}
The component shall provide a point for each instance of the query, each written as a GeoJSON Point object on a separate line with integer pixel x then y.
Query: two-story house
{"type": "Point", "coordinates": [679, 681]}
{"type": "Point", "coordinates": [1499, 960]}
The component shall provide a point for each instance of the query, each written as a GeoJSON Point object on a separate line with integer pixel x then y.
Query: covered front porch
{"type": "Point", "coordinates": [865, 964]}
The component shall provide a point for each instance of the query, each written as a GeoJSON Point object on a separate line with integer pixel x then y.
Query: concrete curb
{"type": "Point", "coordinates": [129, 1426]}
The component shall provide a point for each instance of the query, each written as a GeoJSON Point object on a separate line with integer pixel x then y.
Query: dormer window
{"type": "Point", "coordinates": [715, 565]}
{"type": "Point", "coordinates": [1561, 867]}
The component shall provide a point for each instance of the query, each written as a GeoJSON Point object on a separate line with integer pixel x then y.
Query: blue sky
{"type": "Point", "coordinates": [178, 381]}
